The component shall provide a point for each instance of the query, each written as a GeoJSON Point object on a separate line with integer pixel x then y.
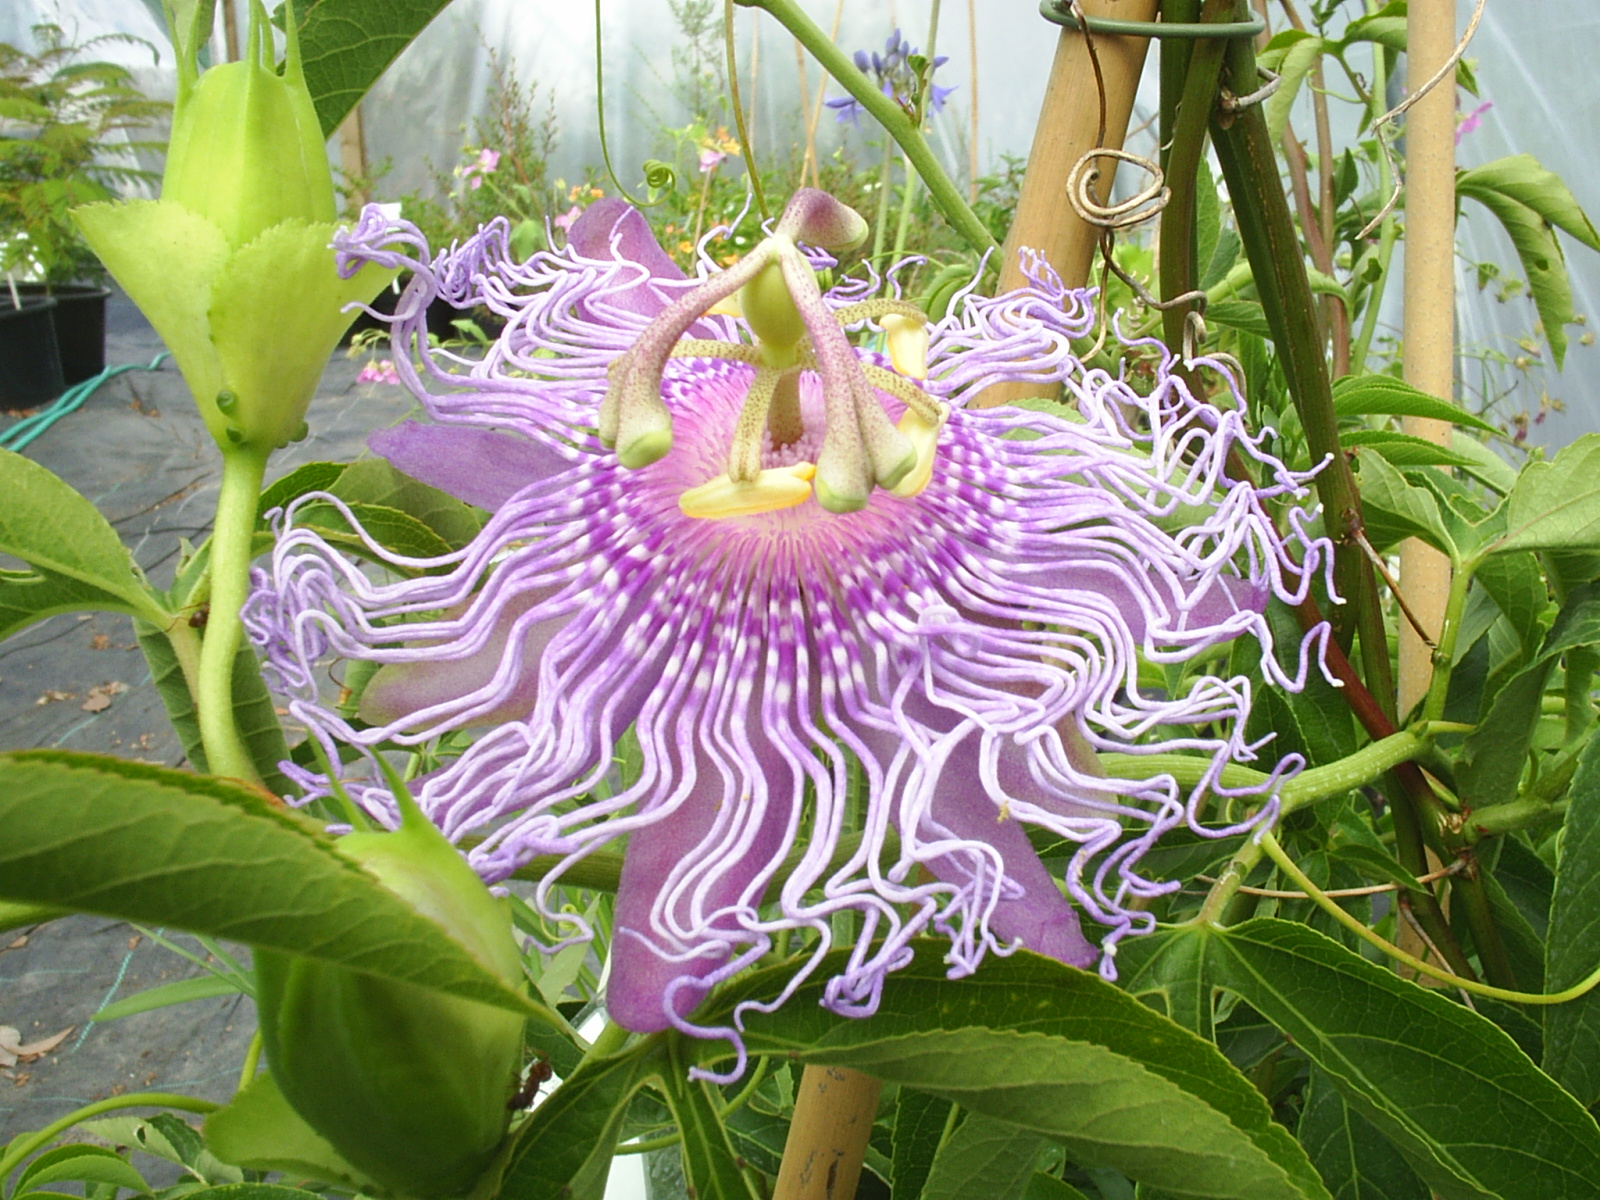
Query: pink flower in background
{"type": "Point", "coordinates": [567, 219]}
{"type": "Point", "coordinates": [485, 164]}
{"type": "Point", "coordinates": [1472, 120]}
{"type": "Point", "coordinates": [379, 371]}
{"type": "Point", "coordinates": [709, 158]}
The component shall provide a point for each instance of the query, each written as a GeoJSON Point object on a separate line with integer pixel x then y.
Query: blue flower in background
{"type": "Point", "coordinates": [896, 79]}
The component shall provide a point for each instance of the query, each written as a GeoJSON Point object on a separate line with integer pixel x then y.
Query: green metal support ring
{"type": "Point", "coordinates": [1056, 12]}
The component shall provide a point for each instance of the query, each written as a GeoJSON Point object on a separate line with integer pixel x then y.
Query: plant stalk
{"type": "Point", "coordinates": [941, 188]}
{"type": "Point", "coordinates": [231, 537]}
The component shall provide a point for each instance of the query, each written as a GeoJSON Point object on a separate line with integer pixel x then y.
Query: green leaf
{"type": "Point", "coordinates": [1386, 396]}
{"type": "Point", "coordinates": [1387, 28]}
{"type": "Point", "coordinates": [1578, 622]}
{"type": "Point", "coordinates": [1529, 202]}
{"type": "Point", "coordinates": [1522, 178]}
{"type": "Point", "coordinates": [564, 1151]}
{"type": "Point", "coordinates": [1052, 1049]}
{"type": "Point", "coordinates": [1393, 510]}
{"type": "Point", "coordinates": [1291, 54]}
{"type": "Point", "coordinates": [29, 596]}
{"type": "Point", "coordinates": [1403, 450]}
{"type": "Point", "coordinates": [372, 481]}
{"type": "Point", "coordinates": [80, 1162]}
{"type": "Point", "coordinates": [1495, 753]}
{"type": "Point", "coordinates": [181, 991]}
{"type": "Point", "coordinates": [1245, 315]}
{"type": "Point", "coordinates": [1171, 963]}
{"type": "Point", "coordinates": [1048, 1187]}
{"type": "Point", "coordinates": [62, 536]}
{"type": "Point", "coordinates": [920, 1123]}
{"type": "Point", "coordinates": [252, 1191]}
{"type": "Point", "coordinates": [1517, 587]}
{"type": "Point", "coordinates": [1484, 465]}
{"type": "Point", "coordinates": [1556, 504]}
{"type": "Point", "coordinates": [709, 1162]}
{"type": "Point", "coordinates": [253, 712]}
{"type": "Point", "coordinates": [308, 477]}
{"type": "Point", "coordinates": [1356, 1161]}
{"type": "Point", "coordinates": [396, 531]}
{"type": "Point", "coordinates": [346, 44]}
{"type": "Point", "coordinates": [258, 1130]}
{"type": "Point", "coordinates": [18, 916]}
{"type": "Point", "coordinates": [1472, 1115]}
{"type": "Point", "coordinates": [164, 847]}
{"type": "Point", "coordinates": [1572, 1030]}
{"type": "Point", "coordinates": [1207, 217]}
{"type": "Point", "coordinates": [983, 1159]}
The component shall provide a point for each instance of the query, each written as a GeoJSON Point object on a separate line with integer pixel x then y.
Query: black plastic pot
{"type": "Point", "coordinates": [80, 326]}
{"type": "Point", "coordinates": [30, 364]}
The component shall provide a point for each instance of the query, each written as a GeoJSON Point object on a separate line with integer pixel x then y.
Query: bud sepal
{"type": "Point", "coordinates": [411, 1086]}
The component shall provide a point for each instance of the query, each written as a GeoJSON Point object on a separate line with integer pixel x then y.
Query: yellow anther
{"type": "Point", "coordinates": [773, 489]}
{"type": "Point", "coordinates": [728, 306]}
{"type": "Point", "coordinates": [924, 437]}
{"type": "Point", "coordinates": [907, 340]}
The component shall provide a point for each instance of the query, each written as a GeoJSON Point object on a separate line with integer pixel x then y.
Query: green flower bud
{"type": "Point", "coordinates": [409, 1085]}
{"type": "Point", "coordinates": [232, 265]}
{"type": "Point", "coordinates": [246, 150]}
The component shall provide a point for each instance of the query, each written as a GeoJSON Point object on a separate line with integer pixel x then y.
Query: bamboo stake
{"type": "Point", "coordinates": [834, 1108]}
{"type": "Point", "coordinates": [1429, 354]}
{"type": "Point", "coordinates": [1068, 121]}
{"type": "Point", "coordinates": [353, 155]}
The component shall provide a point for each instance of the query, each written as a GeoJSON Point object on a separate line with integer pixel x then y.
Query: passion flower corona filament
{"type": "Point", "coordinates": [854, 638]}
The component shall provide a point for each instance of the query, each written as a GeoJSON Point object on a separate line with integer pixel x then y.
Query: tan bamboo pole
{"type": "Point", "coordinates": [1069, 118]}
{"type": "Point", "coordinates": [1428, 359]}
{"type": "Point", "coordinates": [834, 1109]}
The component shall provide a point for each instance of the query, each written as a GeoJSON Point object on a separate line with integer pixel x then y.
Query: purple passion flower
{"type": "Point", "coordinates": [866, 638]}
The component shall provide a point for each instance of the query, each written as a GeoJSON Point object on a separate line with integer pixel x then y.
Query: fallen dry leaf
{"type": "Point", "coordinates": [100, 641]}
{"type": "Point", "coordinates": [52, 695]}
{"type": "Point", "coordinates": [13, 1050]}
{"type": "Point", "coordinates": [19, 943]}
{"type": "Point", "coordinates": [99, 698]}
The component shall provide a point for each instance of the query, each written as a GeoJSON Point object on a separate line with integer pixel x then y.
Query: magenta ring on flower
{"type": "Point", "coordinates": [879, 691]}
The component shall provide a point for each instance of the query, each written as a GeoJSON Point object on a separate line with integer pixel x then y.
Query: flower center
{"type": "Point", "coordinates": [775, 460]}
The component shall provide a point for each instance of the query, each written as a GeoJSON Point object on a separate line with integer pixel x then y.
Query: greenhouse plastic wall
{"type": "Point", "coordinates": [1533, 62]}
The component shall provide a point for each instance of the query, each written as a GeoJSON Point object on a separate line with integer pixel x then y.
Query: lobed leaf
{"type": "Point", "coordinates": [1052, 1049]}
{"type": "Point", "coordinates": [1468, 1110]}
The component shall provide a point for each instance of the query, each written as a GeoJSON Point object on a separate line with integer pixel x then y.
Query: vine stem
{"type": "Point", "coordinates": [1449, 630]}
{"type": "Point", "coordinates": [231, 536]}
{"type": "Point", "coordinates": [941, 188]}
{"type": "Point", "coordinates": [20, 1149]}
{"type": "Point", "coordinates": [1286, 864]}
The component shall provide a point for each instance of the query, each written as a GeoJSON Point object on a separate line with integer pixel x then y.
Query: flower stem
{"type": "Point", "coordinates": [1328, 905]}
{"type": "Point", "coordinates": [231, 537]}
{"type": "Point", "coordinates": [1454, 606]}
{"type": "Point", "coordinates": [943, 191]}
{"type": "Point", "coordinates": [19, 1150]}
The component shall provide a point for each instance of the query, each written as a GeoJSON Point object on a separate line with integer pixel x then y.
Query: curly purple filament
{"type": "Point", "coordinates": [940, 668]}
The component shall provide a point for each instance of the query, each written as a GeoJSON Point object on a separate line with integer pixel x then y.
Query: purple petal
{"type": "Point", "coordinates": [1041, 918]}
{"type": "Point", "coordinates": [397, 691]}
{"type": "Point", "coordinates": [485, 467]}
{"type": "Point", "coordinates": [612, 229]}
{"type": "Point", "coordinates": [641, 975]}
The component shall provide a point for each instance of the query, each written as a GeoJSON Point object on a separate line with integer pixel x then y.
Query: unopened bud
{"type": "Point", "coordinates": [409, 1085]}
